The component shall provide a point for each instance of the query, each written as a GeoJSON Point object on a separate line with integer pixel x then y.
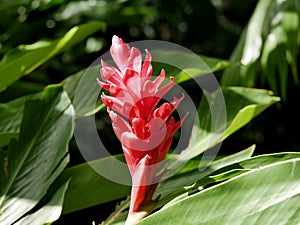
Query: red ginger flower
{"type": "Point", "coordinates": [145, 130]}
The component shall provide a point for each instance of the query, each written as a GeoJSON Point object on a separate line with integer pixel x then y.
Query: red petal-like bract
{"type": "Point", "coordinates": [144, 129]}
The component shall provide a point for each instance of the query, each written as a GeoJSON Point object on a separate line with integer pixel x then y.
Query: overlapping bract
{"type": "Point", "coordinates": [144, 129]}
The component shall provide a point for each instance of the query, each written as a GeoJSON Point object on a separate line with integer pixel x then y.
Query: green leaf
{"type": "Point", "coordinates": [290, 25]}
{"type": "Point", "coordinates": [84, 91]}
{"type": "Point", "coordinates": [179, 185]}
{"type": "Point", "coordinates": [265, 195]}
{"type": "Point", "coordinates": [28, 57]}
{"type": "Point", "coordinates": [242, 105]}
{"type": "Point", "coordinates": [184, 65]}
{"type": "Point", "coordinates": [200, 168]}
{"type": "Point", "coordinates": [248, 49]}
{"type": "Point", "coordinates": [11, 114]}
{"type": "Point", "coordinates": [267, 48]}
{"type": "Point", "coordinates": [200, 179]}
{"type": "Point", "coordinates": [254, 39]}
{"type": "Point", "coordinates": [100, 190]}
{"type": "Point", "coordinates": [267, 159]}
{"type": "Point", "coordinates": [48, 212]}
{"type": "Point", "coordinates": [210, 65]}
{"type": "Point", "coordinates": [253, 102]}
{"type": "Point", "coordinates": [227, 175]}
{"type": "Point", "coordinates": [279, 48]}
{"type": "Point", "coordinates": [219, 170]}
{"type": "Point", "coordinates": [39, 155]}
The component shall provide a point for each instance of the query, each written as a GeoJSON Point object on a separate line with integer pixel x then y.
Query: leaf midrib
{"type": "Point", "coordinates": [25, 156]}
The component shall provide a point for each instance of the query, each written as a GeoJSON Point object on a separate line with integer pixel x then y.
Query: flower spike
{"type": "Point", "coordinates": [145, 129]}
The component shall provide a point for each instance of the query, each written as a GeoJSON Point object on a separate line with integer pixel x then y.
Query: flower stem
{"type": "Point", "coordinates": [135, 217]}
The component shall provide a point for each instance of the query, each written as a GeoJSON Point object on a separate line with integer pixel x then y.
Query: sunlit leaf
{"type": "Point", "coordinates": [265, 195]}
{"type": "Point", "coordinates": [182, 182]}
{"type": "Point", "coordinates": [38, 156]}
{"type": "Point", "coordinates": [217, 171]}
{"type": "Point", "coordinates": [242, 105]}
{"type": "Point", "coordinates": [267, 49]}
{"type": "Point", "coordinates": [27, 58]}
{"type": "Point", "coordinates": [84, 91]}
{"type": "Point", "coordinates": [232, 166]}
{"type": "Point", "coordinates": [47, 212]}
{"type": "Point", "coordinates": [102, 190]}
{"type": "Point", "coordinates": [213, 65]}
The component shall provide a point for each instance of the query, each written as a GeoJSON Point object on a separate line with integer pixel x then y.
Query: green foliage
{"type": "Point", "coordinates": [50, 207]}
{"type": "Point", "coordinates": [28, 57]}
{"type": "Point", "coordinates": [43, 42]}
{"type": "Point", "coordinates": [39, 155]}
{"type": "Point", "coordinates": [222, 113]}
{"type": "Point", "coordinates": [268, 47]}
{"type": "Point", "coordinates": [265, 194]}
{"type": "Point", "coordinates": [101, 190]}
{"type": "Point", "coordinates": [11, 117]}
{"type": "Point", "coordinates": [238, 109]}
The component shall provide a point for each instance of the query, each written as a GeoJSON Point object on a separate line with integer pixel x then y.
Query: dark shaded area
{"type": "Point", "coordinates": [87, 216]}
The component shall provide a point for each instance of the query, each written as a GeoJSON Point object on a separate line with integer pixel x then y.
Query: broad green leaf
{"type": "Point", "coordinates": [119, 216]}
{"type": "Point", "coordinates": [267, 159]}
{"type": "Point", "coordinates": [248, 50]}
{"type": "Point", "coordinates": [11, 114]}
{"type": "Point", "coordinates": [100, 190]}
{"type": "Point", "coordinates": [48, 212]}
{"type": "Point", "coordinates": [279, 49]}
{"type": "Point", "coordinates": [84, 91]}
{"type": "Point", "coordinates": [39, 155]}
{"type": "Point", "coordinates": [211, 65]}
{"type": "Point", "coordinates": [242, 105]}
{"type": "Point", "coordinates": [291, 24]}
{"type": "Point", "coordinates": [267, 47]}
{"type": "Point", "coordinates": [28, 57]}
{"type": "Point", "coordinates": [219, 170]}
{"type": "Point", "coordinates": [199, 179]}
{"type": "Point", "coordinates": [232, 75]}
{"type": "Point", "coordinates": [184, 65]}
{"type": "Point", "coordinates": [200, 168]}
{"type": "Point", "coordinates": [253, 103]}
{"type": "Point", "coordinates": [254, 40]}
{"type": "Point", "coordinates": [266, 195]}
